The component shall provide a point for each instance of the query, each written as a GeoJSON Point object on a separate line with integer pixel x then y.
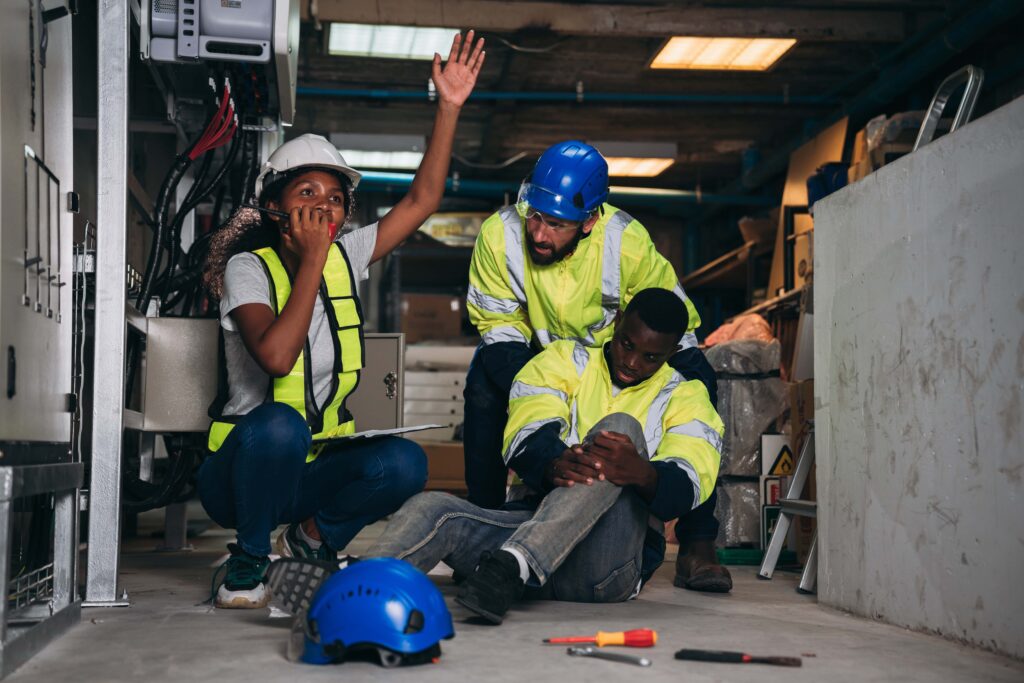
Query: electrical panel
{"type": "Point", "coordinates": [261, 37]}
{"type": "Point", "coordinates": [35, 235]}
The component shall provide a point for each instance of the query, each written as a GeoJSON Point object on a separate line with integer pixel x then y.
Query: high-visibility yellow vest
{"type": "Point", "coordinates": [511, 298]}
{"type": "Point", "coordinates": [570, 385]}
{"type": "Point", "coordinates": [338, 294]}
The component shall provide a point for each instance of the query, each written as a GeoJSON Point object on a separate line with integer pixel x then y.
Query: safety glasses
{"type": "Point", "coordinates": [558, 225]}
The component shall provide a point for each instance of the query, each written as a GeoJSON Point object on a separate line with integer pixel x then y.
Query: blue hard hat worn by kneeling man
{"type": "Point", "coordinates": [383, 605]}
{"type": "Point", "coordinates": [570, 181]}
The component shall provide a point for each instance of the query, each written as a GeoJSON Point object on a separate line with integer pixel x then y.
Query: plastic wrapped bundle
{"type": "Point", "coordinates": [739, 514]}
{"type": "Point", "coordinates": [751, 397]}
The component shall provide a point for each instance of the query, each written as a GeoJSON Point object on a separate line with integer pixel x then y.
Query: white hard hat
{"type": "Point", "coordinates": [305, 150]}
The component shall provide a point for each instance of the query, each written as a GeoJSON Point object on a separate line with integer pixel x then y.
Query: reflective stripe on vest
{"type": "Point", "coordinates": [593, 332]}
{"type": "Point", "coordinates": [341, 306]}
{"type": "Point", "coordinates": [571, 386]}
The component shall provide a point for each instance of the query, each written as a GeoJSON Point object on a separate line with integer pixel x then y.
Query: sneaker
{"type": "Point", "coordinates": [289, 543]}
{"type": "Point", "coordinates": [493, 587]}
{"type": "Point", "coordinates": [244, 585]}
{"type": "Point", "coordinates": [295, 580]}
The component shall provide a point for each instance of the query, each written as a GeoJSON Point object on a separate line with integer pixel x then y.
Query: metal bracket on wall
{"type": "Point", "coordinates": [41, 201]}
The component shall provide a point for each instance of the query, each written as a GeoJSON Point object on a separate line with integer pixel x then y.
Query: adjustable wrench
{"type": "Point", "coordinates": [610, 656]}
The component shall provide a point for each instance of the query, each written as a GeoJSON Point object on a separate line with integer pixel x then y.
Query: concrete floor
{"type": "Point", "coordinates": [168, 635]}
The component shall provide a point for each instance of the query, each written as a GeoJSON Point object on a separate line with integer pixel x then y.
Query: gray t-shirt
{"type": "Point", "coordinates": [245, 282]}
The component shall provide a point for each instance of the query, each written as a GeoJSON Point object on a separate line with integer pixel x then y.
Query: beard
{"type": "Point", "coordinates": [555, 255]}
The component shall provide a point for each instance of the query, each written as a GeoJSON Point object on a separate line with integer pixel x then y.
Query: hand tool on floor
{"type": "Point", "coordinates": [638, 637]}
{"type": "Point", "coordinates": [590, 651]}
{"type": "Point", "coordinates": [735, 658]}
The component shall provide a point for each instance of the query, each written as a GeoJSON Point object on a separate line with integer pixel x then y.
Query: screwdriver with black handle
{"type": "Point", "coordinates": [735, 658]}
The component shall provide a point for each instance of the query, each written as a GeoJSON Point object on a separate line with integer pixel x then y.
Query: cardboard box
{"type": "Point", "coordinates": [445, 466]}
{"type": "Point", "coordinates": [802, 364]}
{"type": "Point", "coordinates": [801, 409]}
{"type": "Point", "coordinates": [431, 316]}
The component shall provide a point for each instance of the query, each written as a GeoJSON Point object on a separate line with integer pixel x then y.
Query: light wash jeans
{"type": "Point", "coordinates": [583, 543]}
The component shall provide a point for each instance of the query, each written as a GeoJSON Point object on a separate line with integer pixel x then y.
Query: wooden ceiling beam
{"type": "Point", "coordinates": [867, 25]}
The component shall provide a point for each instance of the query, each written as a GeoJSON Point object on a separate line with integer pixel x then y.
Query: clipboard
{"type": "Point", "coordinates": [376, 433]}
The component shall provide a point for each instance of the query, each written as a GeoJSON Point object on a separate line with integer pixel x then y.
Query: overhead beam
{"type": "Point", "coordinates": [620, 20]}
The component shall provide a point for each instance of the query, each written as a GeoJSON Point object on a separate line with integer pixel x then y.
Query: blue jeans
{"type": "Point", "coordinates": [260, 478]}
{"type": "Point", "coordinates": [488, 384]}
{"type": "Point", "coordinates": [583, 543]}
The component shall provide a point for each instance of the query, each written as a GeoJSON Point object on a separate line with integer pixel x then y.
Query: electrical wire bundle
{"type": "Point", "coordinates": [219, 131]}
{"type": "Point", "coordinates": [180, 285]}
{"type": "Point", "coordinates": [178, 482]}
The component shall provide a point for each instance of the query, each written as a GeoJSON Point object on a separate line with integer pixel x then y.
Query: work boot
{"type": "Point", "coordinates": [493, 587]}
{"type": "Point", "coordinates": [697, 569]}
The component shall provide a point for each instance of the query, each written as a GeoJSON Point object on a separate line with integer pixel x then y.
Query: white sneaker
{"type": "Point", "coordinates": [244, 584]}
{"type": "Point", "coordinates": [241, 598]}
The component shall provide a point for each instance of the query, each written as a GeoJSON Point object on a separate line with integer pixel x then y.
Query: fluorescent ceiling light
{"type": "Point", "coordinates": [396, 42]}
{"type": "Point", "coordinates": [383, 151]}
{"type": "Point", "coordinates": [727, 54]}
{"type": "Point", "coordinates": [358, 158]}
{"type": "Point", "coordinates": [637, 159]}
{"type": "Point", "coordinates": [637, 167]}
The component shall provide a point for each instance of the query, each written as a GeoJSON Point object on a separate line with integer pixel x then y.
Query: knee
{"type": "Point", "coordinates": [425, 507]}
{"type": "Point", "coordinates": [406, 468]}
{"type": "Point", "coordinates": [428, 504]}
{"type": "Point", "coordinates": [278, 431]}
{"type": "Point", "coordinates": [620, 423]}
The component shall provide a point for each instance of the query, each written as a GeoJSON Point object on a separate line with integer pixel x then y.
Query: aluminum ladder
{"type": "Point", "coordinates": [791, 506]}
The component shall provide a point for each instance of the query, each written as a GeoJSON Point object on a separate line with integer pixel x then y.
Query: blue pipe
{"type": "Point", "coordinates": [583, 98]}
{"type": "Point", "coordinates": [496, 189]}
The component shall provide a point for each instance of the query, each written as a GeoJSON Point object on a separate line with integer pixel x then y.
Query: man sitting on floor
{"type": "Point", "coordinates": [577, 528]}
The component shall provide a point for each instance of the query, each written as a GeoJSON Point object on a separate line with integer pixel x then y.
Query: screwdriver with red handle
{"type": "Point", "coordinates": [638, 637]}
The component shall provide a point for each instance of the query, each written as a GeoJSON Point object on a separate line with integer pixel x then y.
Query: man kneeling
{"type": "Point", "coordinates": [577, 525]}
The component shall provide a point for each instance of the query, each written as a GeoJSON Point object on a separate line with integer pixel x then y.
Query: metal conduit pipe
{"type": "Point", "coordinates": [577, 97]}
{"type": "Point", "coordinates": [890, 83]}
{"type": "Point", "coordinates": [636, 196]}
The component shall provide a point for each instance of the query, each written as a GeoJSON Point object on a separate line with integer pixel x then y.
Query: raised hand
{"type": "Point", "coordinates": [455, 81]}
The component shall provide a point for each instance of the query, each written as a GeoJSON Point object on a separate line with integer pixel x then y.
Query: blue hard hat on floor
{"type": "Point", "coordinates": [570, 181]}
{"type": "Point", "coordinates": [377, 604]}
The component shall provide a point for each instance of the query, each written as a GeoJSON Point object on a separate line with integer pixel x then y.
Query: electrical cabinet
{"type": "Point", "coordinates": [181, 378]}
{"type": "Point", "coordinates": [35, 234]}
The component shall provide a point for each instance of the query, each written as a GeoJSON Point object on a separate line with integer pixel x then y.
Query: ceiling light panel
{"type": "Point", "coordinates": [394, 42]}
{"type": "Point", "coordinates": [637, 167]}
{"type": "Point", "coordinates": [360, 158]}
{"type": "Point", "coordinates": [721, 54]}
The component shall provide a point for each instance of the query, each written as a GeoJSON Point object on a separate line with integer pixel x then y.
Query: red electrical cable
{"type": "Point", "coordinates": [208, 136]}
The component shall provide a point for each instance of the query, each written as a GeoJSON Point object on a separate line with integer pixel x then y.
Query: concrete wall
{"type": "Point", "coordinates": [919, 333]}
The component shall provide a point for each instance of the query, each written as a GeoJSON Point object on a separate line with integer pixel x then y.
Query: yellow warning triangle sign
{"type": "Point", "coordinates": [783, 464]}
